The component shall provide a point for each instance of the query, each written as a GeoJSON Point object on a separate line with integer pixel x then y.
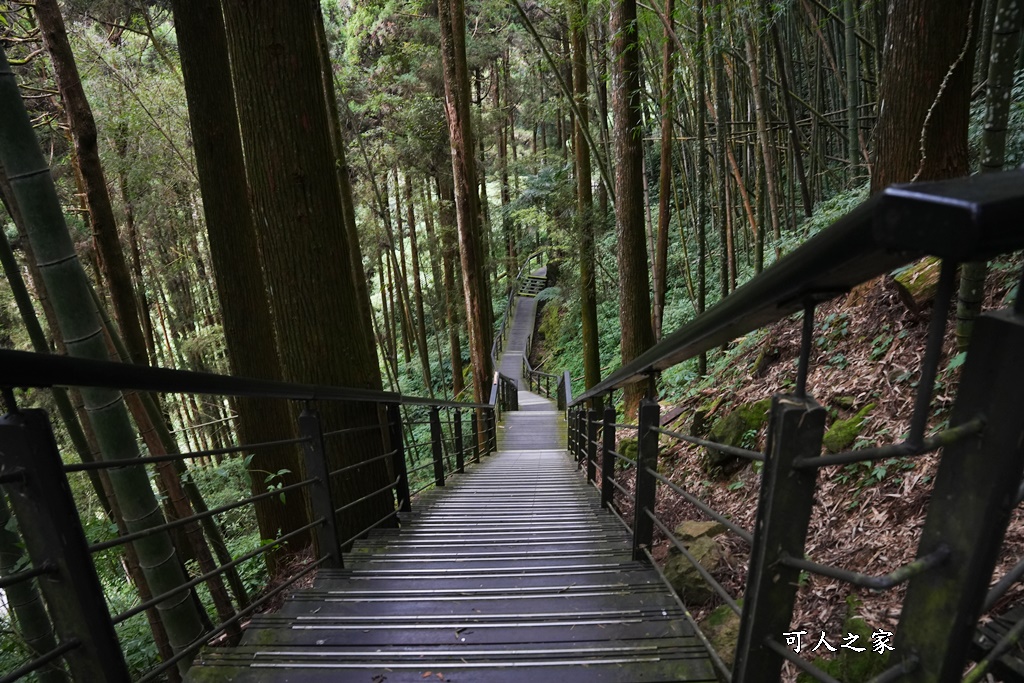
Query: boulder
{"type": "Point", "coordinates": [733, 430]}
{"type": "Point", "coordinates": [722, 628]}
{"type": "Point", "coordinates": [629, 448]}
{"type": "Point", "coordinates": [841, 435]}
{"type": "Point", "coordinates": [691, 530]}
{"type": "Point", "coordinates": [685, 578]}
{"type": "Point", "coordinates": [698, 537]}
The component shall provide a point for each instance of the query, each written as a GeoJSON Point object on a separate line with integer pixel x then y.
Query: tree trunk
{"type": "Point", "coordinates": [852, 90]}
{"type": "Point", "coordinates": [584, 198]}
{"type": "Point", "coordinates": [665, 174]}
{"type": "Point", "coordinates": [297, 209]}
{"type": "Point", "coordinates": [702, 176]}
{"type": "Point", "coordinates": [449, 240]}
{"type": "Point", "coordinates": [757, 85]}
{"type": "Point", "coordinates": [68, 286]}
{"type": "Point", "coordinates": [507, 227]}
{"type": "Point", "coordinates": [924, 96]}
{"type": "Point", "coordinates": [101, 214]}
{"type": "Point", "coordinates": [634, 289]}
{"type": "Point", "coordinates": [1003, 47]}
{"type": "Point", "coordinates": [451, 14]}
{"type": "Point", "coordinates": [782, 66]}
{"type": "Point", "coordinates": [417, 291]}
{"type": "Point", "coordinates": [252, 351]}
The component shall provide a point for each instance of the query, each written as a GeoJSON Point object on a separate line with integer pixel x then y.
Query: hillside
{"type": "Point", "coordinates": [868, 517]}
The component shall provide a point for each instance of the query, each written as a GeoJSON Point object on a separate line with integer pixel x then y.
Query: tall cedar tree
{"type": "Point", "coordinates": [584, 197]}
{"type": "Point", "coordinates": [634, 291]}
{"type": "Point", "coordinates": [452, 17]}
{"type": "Point", "coordinates": [252, 352]}
{"type": "Point", "coordinates": [925, 93]}
{"type": "Point", "coordinates": [300, 224]}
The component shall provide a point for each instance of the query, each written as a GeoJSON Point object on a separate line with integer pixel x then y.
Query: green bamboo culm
{"type": "Point", "coordinates": [39, 345]}
{"type": "Point", "coordinates": [1005, 41]}
{"type": "Point", "coordinates": [68, 286]}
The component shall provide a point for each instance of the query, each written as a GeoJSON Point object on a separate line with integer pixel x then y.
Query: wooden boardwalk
{"type": "Point", "coordinates": [512, 572]}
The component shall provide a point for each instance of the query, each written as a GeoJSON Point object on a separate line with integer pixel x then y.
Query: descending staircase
{"type": "Point", "coordinates": [511, 572]}
{"type": "Point", "coordinates": [532, 285]}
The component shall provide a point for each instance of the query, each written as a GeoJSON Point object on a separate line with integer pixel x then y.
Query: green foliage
{"type": "Point", "coordinates": [880, 345]}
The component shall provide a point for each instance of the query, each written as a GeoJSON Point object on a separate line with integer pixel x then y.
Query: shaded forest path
{"type": "Point", "coordinates": [512, 570]}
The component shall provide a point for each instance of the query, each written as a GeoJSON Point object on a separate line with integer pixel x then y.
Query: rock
{"type": "Point", "coordinates": [691, 530]}
{"type": "Point", "coordinates": [732, 430]}
{"type": "Point", "coordinates": [629, 448]}
{"type": "Point", "coordinates": [841, 435]}
{"type": "Point", "coordinates": [722, 628]}
{"type": "Point", "coordinates": [847, 402]}
{"type": "Point", "coordinates": [685, 578]}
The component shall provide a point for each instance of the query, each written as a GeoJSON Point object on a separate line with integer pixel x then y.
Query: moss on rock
{"type": "Point", "coordinates": [843, 433]}
{"type": "Point", "coordinates": [685, 578]}
{"type": "Point", "coordinates": [629, 448]}
{"type": "Point", "coordinates": [733, 430]}
{"type": "Point", "coordinates": [722, 628]}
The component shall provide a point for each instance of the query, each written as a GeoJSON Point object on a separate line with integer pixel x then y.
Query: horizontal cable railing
{"type": "Point", "coordinates": [982, 447]}
{"type": "Point", "coordinates": [357, 477]}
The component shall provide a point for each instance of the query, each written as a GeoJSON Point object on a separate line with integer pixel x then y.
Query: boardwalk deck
{"type": "Point", "coordinates": [511, 572]}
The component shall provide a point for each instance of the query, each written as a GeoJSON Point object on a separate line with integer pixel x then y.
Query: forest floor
{"type": "Point", "coordinates": [867, 517]}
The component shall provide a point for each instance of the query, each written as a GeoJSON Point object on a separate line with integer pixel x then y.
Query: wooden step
{"type": "Point", "coordinates": [510, 572]}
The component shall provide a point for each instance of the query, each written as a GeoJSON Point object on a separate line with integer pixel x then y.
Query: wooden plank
{"type": "Point", "coordinates": [511, 572]}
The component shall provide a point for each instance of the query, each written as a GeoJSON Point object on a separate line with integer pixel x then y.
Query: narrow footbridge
{"type": "Point", "coordinates": [511, 571]}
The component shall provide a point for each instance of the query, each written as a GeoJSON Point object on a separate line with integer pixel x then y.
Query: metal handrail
{"type": "Point", "coordinates": [965, 219]}
{"type": "Point", "coordinates": [39, 370]}
{"type": "Point", "coordinates": [958, 221]}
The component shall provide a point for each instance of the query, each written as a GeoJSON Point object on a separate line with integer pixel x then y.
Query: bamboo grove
{"type": "Point", "coordinates": [353, 214]}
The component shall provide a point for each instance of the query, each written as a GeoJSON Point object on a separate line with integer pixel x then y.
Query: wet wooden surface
{"type": "Point", "coordinates": [511, 572]}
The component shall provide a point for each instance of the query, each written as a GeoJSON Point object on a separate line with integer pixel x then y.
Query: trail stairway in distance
{"type": "Point", "coordinates": [511, 572]}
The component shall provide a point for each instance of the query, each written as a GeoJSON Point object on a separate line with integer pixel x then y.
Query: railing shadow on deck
{"type": "Point", "coordinates": [979, 481]}
{"type": "Point", "coordinates": [425, 441]}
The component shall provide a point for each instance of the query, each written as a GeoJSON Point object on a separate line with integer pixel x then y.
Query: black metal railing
{"type": "Point", "coordinates": [979, 480]}
{"type": "Point", "coordinates": [504, 387]}
{"type": "Point", "coordinates": [423, 443]}
{"type": "Point", "coordinates": [543, 383]}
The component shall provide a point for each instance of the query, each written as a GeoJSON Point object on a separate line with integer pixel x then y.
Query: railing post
{"type": "Point", "coordinates": [460, 462]}
{"type": "Point", "coordinates": [475, 429]}
{"type": "Point", "coordinates": [492, 428]}
{"type": "Point", "coordinates": [581, 436]}
{"type": "Point", "coordinates": [321, 500]}
{"type": "Point", "coordinates": [608, 458]}
{"type": "Point", "coordinates": [399, 465]}
{"type": "Point", "coordinates": [591, 445]}
{"type": "Point", "coordinates": [574, 429]}
{"type": "Point", "coordinates": [53, 535]}
{"type": "Point", "coordinates": [646, 485]}
{"type": "Point", "coordinates": [795, 430]}
{"type": "Point", "coordinates": [436, 446]}
{"type": "Point", "coordinates": [974, 496]}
